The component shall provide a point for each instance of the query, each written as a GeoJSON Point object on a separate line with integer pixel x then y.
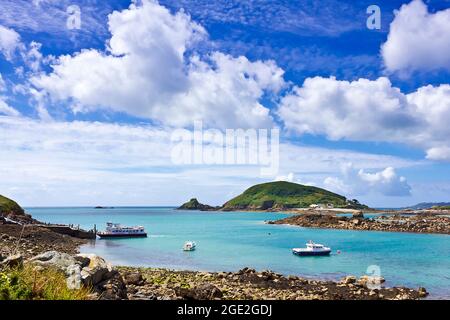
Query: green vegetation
{"type": "Point", "coordinates": [9, 206]}
{"type": "Point", "coordinates": [27, 283]}
{"type": "Point", "coordinates": [281, 194]}
{"type": "Point", "coordinates": [193, 204]}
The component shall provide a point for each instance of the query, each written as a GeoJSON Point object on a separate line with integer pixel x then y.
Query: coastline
{"type": "Point", "coordinates": [162, 284]}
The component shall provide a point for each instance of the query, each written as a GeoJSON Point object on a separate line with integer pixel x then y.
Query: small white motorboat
{"type": "Point", "coordinates": [189, 246]}
{"type": "Point", "coordinates": [312, 249]}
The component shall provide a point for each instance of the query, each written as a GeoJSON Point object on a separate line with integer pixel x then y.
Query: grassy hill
{"type": "Point", "coordinates": [281, 194]}
{"type": "Point", "coordinates": [8, 206]}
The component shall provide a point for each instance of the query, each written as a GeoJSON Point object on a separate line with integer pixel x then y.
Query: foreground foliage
{"type": "Point", "coordinates": [30, 283]}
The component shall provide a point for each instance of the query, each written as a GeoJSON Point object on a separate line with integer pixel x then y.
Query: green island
{"type": "Point", "coordinates": [281, 195]}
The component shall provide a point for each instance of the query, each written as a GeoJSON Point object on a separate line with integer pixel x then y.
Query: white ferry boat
{"type": "Point", "coordinates": [189, 246]}
{"type": "Point", "coordinates": [312, 249]}
{"type": "Point", "coordinates": [116, 230]}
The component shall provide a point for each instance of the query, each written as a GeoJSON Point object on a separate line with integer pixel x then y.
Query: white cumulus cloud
{"type": "Point", "coordinates": [418, 40]}
{"type": "Point", "coordinates": [370, 110]}
{"type": "Point", "coordinates": [151, 72]}
{"type": "Point", "coordinates": [9, 42]}
{"type": "Point", "coordinates": [355, 182]}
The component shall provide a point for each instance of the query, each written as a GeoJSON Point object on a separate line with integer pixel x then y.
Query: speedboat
{"type": "Point", "coordinates": [189, 246]}
{"type": "Point", "coordinates": [116, 230]}
{"type": "Point", "coordinates": [312, 249]}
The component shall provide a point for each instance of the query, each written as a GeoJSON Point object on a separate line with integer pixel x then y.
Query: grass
{"type": "Point", "coordinates": [8, 206]}
{"type": "Point", "coordinates": [287, 194]}
{"type": "Point", "coordinates": [27, 283]}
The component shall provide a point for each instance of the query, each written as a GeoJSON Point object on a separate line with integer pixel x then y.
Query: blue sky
{"type": "Point", "coordinates": [369, 106]}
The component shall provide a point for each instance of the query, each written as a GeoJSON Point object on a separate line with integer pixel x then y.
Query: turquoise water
{"type": "Point", "coordinates": [232, 240]}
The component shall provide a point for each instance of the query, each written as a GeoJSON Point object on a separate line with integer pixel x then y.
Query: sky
{"type": "Point", "coordinates": [92, 93]}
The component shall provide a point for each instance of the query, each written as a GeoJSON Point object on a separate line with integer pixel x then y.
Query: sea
{"type": "Point", "coordinates": [229, 241]}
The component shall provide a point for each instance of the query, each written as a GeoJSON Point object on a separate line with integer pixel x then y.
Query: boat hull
{"type": "Point", "coordinates": [113, 236]}
{"type": "Point", "coordinates": [311, 253]}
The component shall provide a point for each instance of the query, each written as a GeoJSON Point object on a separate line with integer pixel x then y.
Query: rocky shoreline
{"type": "Point", "coordinates": [43, 248]}
{"type": "Point", "coordinates": [421, 223]}
{"type": "Point", "coordinates": [248, 284]}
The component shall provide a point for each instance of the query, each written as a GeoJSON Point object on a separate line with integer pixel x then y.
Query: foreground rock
{"type": "Point", "coordinates": [248, 284]}
{"type": "Point", "coordinates": [394, 223]}
{"type": "Point", "coordinates": [87, 270]}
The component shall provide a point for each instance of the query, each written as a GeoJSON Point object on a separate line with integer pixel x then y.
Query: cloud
{"type": "Point", "coordinates": [9, 42]}
{"type": "Point", "coordinates": [329, 18]}
{"type": "Point", "coordinates": [151, 72]}
{"type": "Point", "coordinates": [369, 110]}
{"type": "Point", "coordinates": [417, 40]}
{"type": "Point", "coordinates": [49, 17]}
{"type": "Point", "coordinates": [355, 182]}
{"type": "Point", "coordinates": [87, 163]}
{"type": "Point", "coordinates": [5, 109]}
{"type": "Point", "coordinates": [289, 177]}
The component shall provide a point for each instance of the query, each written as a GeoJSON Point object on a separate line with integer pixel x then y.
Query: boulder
{"type": "Point", "coordinates": [59, 260]}
{"type": "Point", "coordinates": [205, 291]}
{"type": "Point", "coordinates": [113, 288]}
{"type": "Point", "coordinates": [422, 292]}
{"type": "Point", "coordinates": [14, 261]}
{"type": "Point", "coordinates": [358, 215]}
{"type": "Point", "coordinates": [134, 278]}
{"type": "Point", "coordinates": [73, 274]}
{"type": "Point", "coordinates": [96, 271]}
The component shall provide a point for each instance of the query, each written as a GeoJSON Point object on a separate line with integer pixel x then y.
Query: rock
{"type": "Point", "coordinates": [96, 271]}
{"type": "Point", "coordinates": [133, 278]}
{"type": "Point", "coordinates": [371, 282]}
{"type": "Point", "coordinates": [14, 261]}
{"type": "Point", "coordinates": [358, 214]}
{"type": "Point", "coordinates": [113, 288]}
{"type": "Point", "coordinates": [73, 274]}
{"type": "Point", "coordinates": [59, 260]}
{"type": "Point", "coordinates": [422, 292]}
{"type": "Point", "coordinates": [82, 260]}
{"type": "Point", "coordinates": [349, 280]}
{"type": "Point", "coordinates": [204, 291]}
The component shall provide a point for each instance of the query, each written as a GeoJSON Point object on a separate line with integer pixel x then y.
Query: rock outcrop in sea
{"type": "Point", "coordinates": [193, 204]}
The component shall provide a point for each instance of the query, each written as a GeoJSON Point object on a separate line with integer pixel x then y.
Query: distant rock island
{"type": "Point", "coordinates": [193, 204]}
{"type": "Point", "coordinates": [280, 195]}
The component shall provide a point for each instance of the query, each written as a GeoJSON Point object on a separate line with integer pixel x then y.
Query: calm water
{"type": "Point", "coordinates": [230, 241]}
